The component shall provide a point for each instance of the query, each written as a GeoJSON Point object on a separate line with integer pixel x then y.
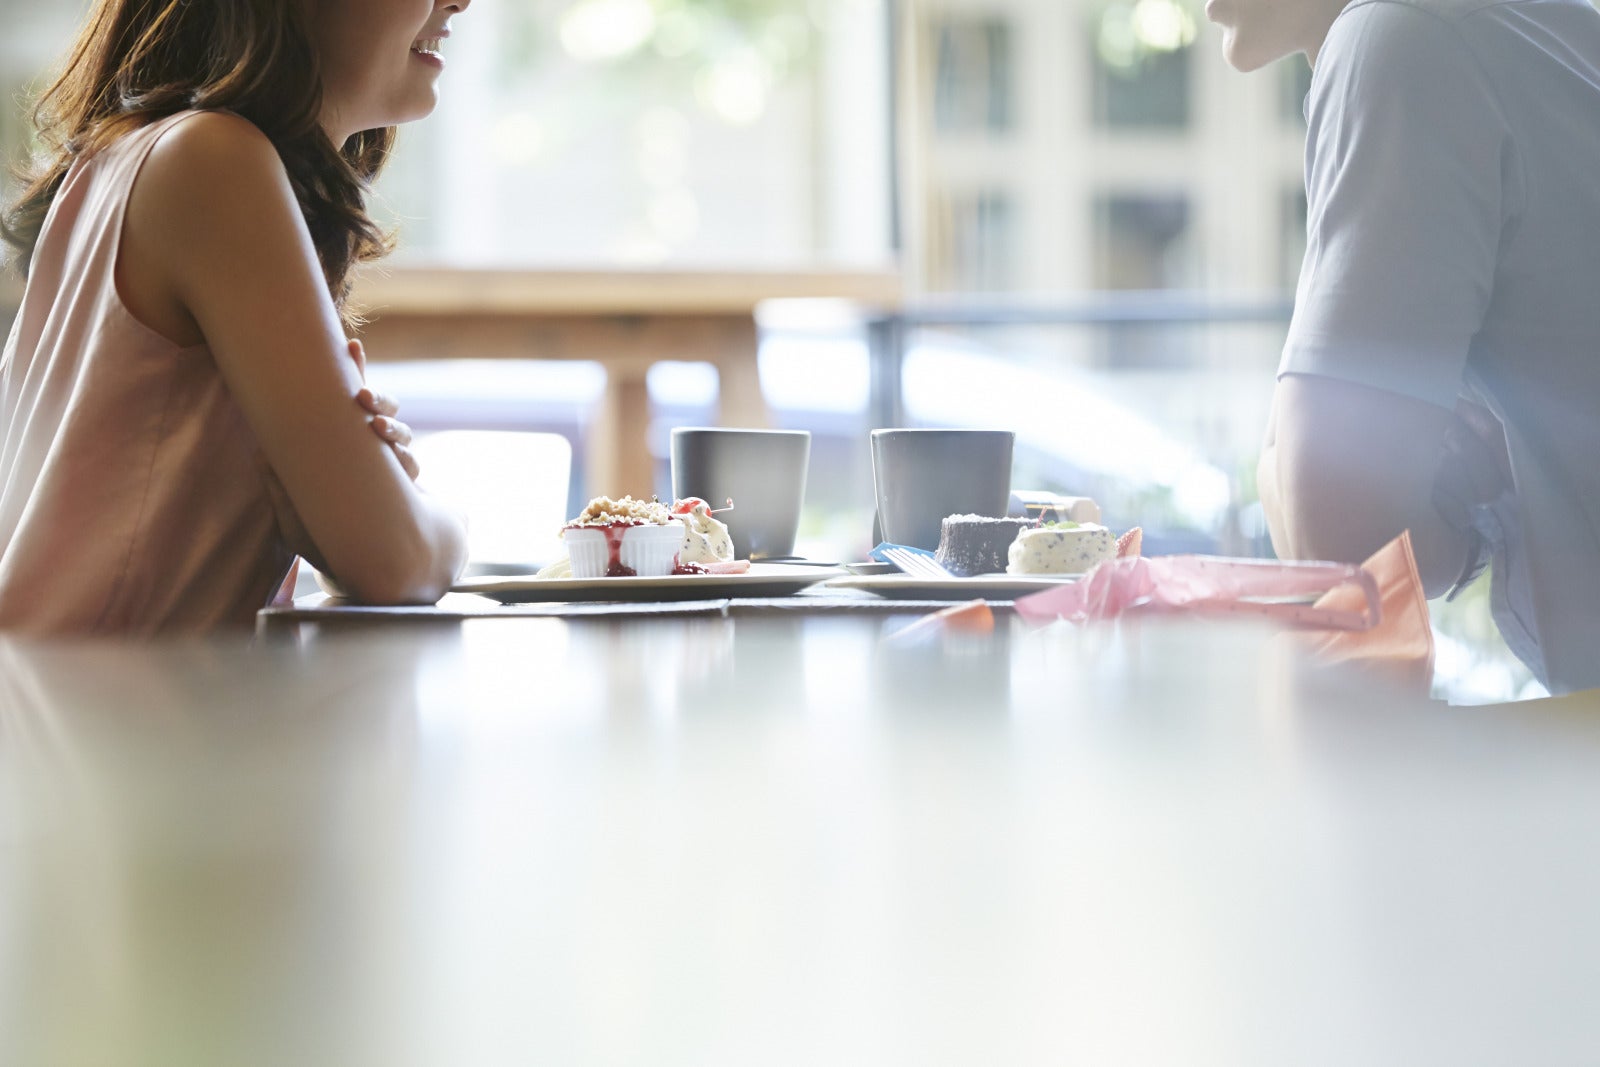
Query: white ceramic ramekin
{"type": "Point", "coordinates": [648, 551]}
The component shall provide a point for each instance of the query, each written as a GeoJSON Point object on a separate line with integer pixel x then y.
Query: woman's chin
{"type": "Point", "coordinates": [418, 106]}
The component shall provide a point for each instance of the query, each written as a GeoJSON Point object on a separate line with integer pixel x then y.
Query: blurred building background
{"type": "Point", "coordinates": [1033, 168]}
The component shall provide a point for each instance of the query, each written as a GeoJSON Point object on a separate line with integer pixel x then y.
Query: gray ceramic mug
{"type": "Point", "coordinates": [763, 471]}
{"type": "Point", "coordinates": [920, 476]}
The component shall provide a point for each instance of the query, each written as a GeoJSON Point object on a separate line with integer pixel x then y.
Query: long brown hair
{"type": "Point", "coordinates": [138, 61]}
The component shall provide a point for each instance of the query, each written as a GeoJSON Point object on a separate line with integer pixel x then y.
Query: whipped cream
{"type": "Point", "coordinates": [705, 537]}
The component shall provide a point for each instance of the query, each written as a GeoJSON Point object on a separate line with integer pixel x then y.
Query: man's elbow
{"type": "Point", "coordinates": [1325, 513]}
{"type": "Point", "coordinates": [1330, 509]}
{"type": "Point", "coordinates": [1340, 546]}
{"type": "Point", "coordinates": [1355, 467]}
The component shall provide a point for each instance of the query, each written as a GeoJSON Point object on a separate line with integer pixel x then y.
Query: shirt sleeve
{"type": "Point", "coordinates": [1407, 154]}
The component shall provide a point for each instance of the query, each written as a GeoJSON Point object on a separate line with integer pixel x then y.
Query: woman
{"type": "Point", "coordinates": [180, 413]}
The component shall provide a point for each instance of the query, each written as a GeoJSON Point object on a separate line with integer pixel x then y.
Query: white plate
{"type": "Point", "coordinates": [761, 580]}
{"type": "Point", "coordinates": [984, 586]}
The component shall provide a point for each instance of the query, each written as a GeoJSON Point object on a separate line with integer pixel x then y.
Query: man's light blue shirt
{"type": "Point", "coordinates": [1453, 191]}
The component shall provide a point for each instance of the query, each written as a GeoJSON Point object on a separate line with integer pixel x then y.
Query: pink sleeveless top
{"type": "Point", "coordinates": [133, 497]}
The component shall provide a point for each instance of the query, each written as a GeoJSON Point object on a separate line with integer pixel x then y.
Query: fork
{"type": "Point", "coordinates": [915, 563]}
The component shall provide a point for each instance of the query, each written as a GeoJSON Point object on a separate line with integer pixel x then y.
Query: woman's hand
{"type": "Point", "coordinates": [384, 409]}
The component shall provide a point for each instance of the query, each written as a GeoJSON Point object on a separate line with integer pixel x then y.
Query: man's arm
{"type": "Point", "coordinates": [1347, 467]}
{"type": "Point", "coordinates": [1267, 486]}
{"type": "Point", "coordinates": [1411, 177]}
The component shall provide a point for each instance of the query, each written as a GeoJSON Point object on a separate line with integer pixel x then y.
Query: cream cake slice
{"type": "Point", "coordinates": [1060, 548]}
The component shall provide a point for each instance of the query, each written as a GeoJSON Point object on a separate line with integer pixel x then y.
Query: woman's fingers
{"type": "Point", "coordinates": [358, 352]}
{"type": "Point", "coordinates": [408, 461]}
{"type": "Point", "coordinates": [378, 403]}
{"type": "Point", "coordinates": [375, 402]}
{"type": "Point", "coordinates": [392, 430]}
{"type": "Point", "coordinates": [398, 436]}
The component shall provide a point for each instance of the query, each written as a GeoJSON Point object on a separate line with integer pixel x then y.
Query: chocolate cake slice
{"type": "Point", "coordinates": [974, 544]}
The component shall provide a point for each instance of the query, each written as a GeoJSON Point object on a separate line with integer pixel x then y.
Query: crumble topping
{"type": "Point", "coordinates": [603, 511]}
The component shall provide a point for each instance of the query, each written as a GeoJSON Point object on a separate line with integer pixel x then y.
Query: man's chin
{"type": "Point", "coordinates": [1241, 56]}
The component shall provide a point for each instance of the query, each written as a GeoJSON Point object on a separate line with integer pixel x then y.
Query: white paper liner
{"type": "Point", "coordinates": [650, 551]}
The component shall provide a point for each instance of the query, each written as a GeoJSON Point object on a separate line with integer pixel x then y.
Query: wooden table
{"type": "Point", "coordinates": [784, 840]}
{"type": "Point", "coordinates": [319, 612]}
{"type": "Point", "coordinates": [625, 320]}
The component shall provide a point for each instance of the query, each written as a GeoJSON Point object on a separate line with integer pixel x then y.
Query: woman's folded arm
{"type": "Point", "coordinates": [215, 213]}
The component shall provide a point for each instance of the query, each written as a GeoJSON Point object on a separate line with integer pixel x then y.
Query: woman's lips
{"type": "Point", "coordinates": [431, 47]}
{"type": "Point", "coordinates": [430, 50]}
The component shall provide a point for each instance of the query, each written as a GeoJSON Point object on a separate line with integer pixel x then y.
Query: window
{"type": "Point", "coordinates": [1292, 235]}
{"type": "Point", "coordinates": [1293, 86]}
{"type": "Point", "coordinates": [972, 89]}
{"type": "Point", "coordinates": [979, 250]}
{"type": "Point", "coordinates": [1140, 56]}
{"type": "Point", "coordinates": [1142, 242]}
{"type": "Point", "coordinates": [36, 35]}
{"type": "Point", "coordinates": [631, 133]}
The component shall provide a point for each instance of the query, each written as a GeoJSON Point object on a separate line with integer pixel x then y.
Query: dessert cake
{"type": "Point", "coordinates": [1060, 548]}
{"type": "Point", "coordinates": [644, 538]}
{"type": "Point", "coordinates": [623, 538]}
{"type": "Point", "coordinates": [975, 544]}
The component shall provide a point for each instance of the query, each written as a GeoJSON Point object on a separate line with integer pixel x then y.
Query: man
{"type": "Point", "coordinates": [1442, 372]}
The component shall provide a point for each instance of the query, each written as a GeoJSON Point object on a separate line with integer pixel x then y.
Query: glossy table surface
{"type": "Point", "coordinates": [781, 840]}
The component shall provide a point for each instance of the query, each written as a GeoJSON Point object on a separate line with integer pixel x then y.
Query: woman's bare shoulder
{"type": "Point", "coordinates": [212, 186]}
{"type": "Point", "coordinates": [208, 152]}
{"type": "Point", "coordinates": [208, 144]}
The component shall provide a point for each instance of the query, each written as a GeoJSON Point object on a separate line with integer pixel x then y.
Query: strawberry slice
{"type": "Point", "coordinates": [1130, 543]}
{"type": "Point", "coordinates": [687, 504]}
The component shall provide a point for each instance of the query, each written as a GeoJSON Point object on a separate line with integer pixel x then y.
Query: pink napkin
{"type": "Point", "coordinates": [1400, 646]}
{"type": "Point", "coordinates": [1212, 584]}
{"type": "Point", "coordinates": [1375, 614]}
